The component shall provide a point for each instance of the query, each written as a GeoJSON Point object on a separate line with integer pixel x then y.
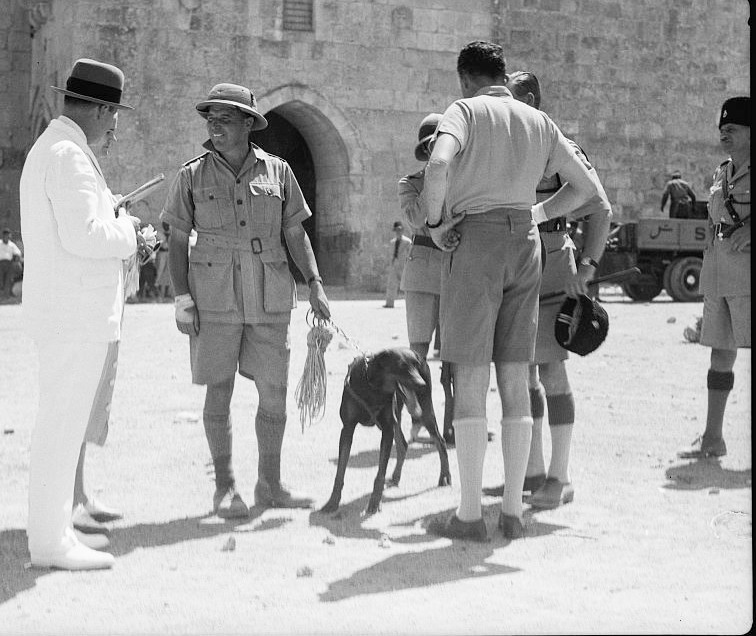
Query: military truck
{"type": "Point", "coordinates": [668, 252]}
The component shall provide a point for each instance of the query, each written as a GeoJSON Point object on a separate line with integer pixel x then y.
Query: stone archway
{"type": "Point", "coordinates": [337, 155]}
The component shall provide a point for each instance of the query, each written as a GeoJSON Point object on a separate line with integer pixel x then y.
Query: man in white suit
{"type": "Point", "coordinates": [73, 300]}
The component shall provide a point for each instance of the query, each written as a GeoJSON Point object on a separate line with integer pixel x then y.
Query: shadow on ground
{"type": "Point", "coordinates": [705, 473]}
{"type": "Point", "coordinates": [17, 576]}
{"type": "Point", "coordinates": [415, 569]}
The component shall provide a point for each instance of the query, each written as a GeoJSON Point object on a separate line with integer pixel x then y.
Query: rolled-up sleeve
{"type": "Point", "coordinates": [178, 210]}
{"type": "Point", "coordinates": [86, 224]}
{"type": "Point", "coordinates": [295, 209]}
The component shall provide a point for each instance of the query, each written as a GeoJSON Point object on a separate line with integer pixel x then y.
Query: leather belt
{"type": "Point", "coordinates": [255, 245]}
{"type": "Point", "coordinates": [425, 241]}
{"type": "Point", "coordinates": [558, 224]}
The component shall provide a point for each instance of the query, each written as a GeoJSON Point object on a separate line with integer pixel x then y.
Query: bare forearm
{"type": "Point", "coordinates": [178, 261]}
{"type": "Point", "coordinates": [301, 251]}
{"type": "Point", "coordinates": [432, 197]}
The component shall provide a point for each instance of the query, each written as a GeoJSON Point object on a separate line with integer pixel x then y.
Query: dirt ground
{"type": "Point", "coordinates": [651, 544]}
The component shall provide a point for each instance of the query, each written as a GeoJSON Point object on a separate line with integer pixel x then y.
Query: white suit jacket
{"type": "Point", "coordinates": [74, 245]}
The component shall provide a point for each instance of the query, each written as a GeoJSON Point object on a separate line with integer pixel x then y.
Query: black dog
{"type": "Point", "coordinates": [375, 389]}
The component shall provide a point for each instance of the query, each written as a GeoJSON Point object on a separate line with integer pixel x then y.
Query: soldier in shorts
{"type": "Point", "coordinates": [234, 291]}
{"type": "Point", "coordinates": [421, 279]}
{"type": "Point", "coordinates": [490, 153]}
{"type": "Point", "coordinates": [548, 382]}
{"type": "Point", "coordinates": [726, 272]}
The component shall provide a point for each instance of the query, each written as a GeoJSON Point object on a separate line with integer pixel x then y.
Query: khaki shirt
{"type": "Point", "coordinates": [238, 270]}
{"type": "Point", "coordinates": [422, 271]}
{"type": "Point", "coordinates": [505, 148]}
{"type": "Point", "coordinates": [727, 272]}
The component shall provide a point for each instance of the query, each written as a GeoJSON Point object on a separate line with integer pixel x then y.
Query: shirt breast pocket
{"type": "Point", "coordinates": [213, 208]}
{"type": "Point", "coordinates": [267, 200]}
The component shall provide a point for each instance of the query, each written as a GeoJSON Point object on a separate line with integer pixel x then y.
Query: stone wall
{"type": "Point", "coordinates": [637, 84]}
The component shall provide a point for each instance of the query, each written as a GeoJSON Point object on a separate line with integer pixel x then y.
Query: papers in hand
{"type": "Point", "coordinates": [140, 193]}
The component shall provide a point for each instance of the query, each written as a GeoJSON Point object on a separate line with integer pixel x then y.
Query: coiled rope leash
{"type": "Point", "coordinates": [311, 390]}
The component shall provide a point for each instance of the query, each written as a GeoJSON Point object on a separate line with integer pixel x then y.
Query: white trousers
{"type": "Point", "coordinates": [68, 377]}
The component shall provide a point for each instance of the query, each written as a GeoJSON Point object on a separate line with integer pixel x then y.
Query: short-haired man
{"type": "Point", "coordinates": [490, 153]}
{"type": "Point", "coordinates": [234, 294]}
{"type": "Point", "coordinates": [681, 197]}
{"type": "Point", "coordinates": [399, 248]}
{"type": "Point", "coordinates": [548, 382]}
{"type": "Point", "coordinates": [10, 254]}
{"type": "Point", "coordinates": [726, 272]}
{"type": "Point", "coordinates": [73, 300]}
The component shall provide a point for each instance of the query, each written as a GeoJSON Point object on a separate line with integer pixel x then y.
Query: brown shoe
{"type": "Point", "coordinates": [228, 504]}
{"type": "Point", "coordinates": [551, 495]}
{"type": "Point", "coordinates": [453, 528]}
{"type": "Point", "coordinates": [511, 526]}
{"type": "Point", "coordinates": [702, 448]}
{"type": "Point", "coordinates": [280, 496]}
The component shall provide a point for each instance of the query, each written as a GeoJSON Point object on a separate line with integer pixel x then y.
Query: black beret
{"type": "Point", "coordinates": [736, 110]}
{"type": "Point", "coordinates": [581, 325]}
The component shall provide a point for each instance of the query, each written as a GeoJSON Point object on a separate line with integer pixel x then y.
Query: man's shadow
{"type": "Point", "coordinates": [17, 576]}
{"type": "Point", "coordinates": [431, 566]}
{"type": "Point", "coordinates": [705, 473]}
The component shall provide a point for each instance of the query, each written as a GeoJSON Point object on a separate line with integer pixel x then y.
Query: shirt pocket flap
{"type": "Point", "coordinates": [275, 255]}
{"type": "Point", "coordinates": [264, 188]}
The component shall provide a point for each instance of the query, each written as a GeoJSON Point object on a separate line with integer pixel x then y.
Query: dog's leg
{"type": "Point", "coordinates": [448, 383]}
{"type": "Point", "coordinates": [401, 443]}
{"type": "Point", "coordinates": [387, 439]}
{"type": "Point", "coordinates": [345, 447]}
{"type": "Point", "coordinates": [425, 399]}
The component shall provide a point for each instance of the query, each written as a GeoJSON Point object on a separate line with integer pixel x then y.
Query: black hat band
{"type": "Point", "coordinates": [94, 90]}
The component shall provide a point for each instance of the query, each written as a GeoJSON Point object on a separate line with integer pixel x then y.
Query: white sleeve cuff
{"type": "Point", "coordinates": [539, 214]}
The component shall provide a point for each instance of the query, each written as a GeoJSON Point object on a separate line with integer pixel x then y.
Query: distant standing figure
{"type": "Point", "coordinates": [682, 199]}
{"type": "Point", "coordinates": [163, 277]}
{"type": "Point", "coordinates": [726, 272]}
{"type": "Point", "coordinates": [10, 255]}
{"type": "Point", "coordinates": [400, 247]}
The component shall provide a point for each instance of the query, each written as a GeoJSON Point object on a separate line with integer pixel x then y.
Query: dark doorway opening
{"type": "Point", "coordinates": [282, 139]}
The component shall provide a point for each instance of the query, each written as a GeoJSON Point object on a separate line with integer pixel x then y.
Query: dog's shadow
{"type": "Point", "coordinates": [705, 473]}
{"type": "Point", "coordinates": [419, 568]}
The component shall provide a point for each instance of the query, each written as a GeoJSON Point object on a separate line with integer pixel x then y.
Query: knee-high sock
{"type": "Point", "coordinates": [561, 422]}
{"type": "Point", "coordinates": [216, 418]}
{"type": "Point", "coordinates": [536, 463]}
{"type": "Point", "coordinates": [472, 440]}
{"type": "Point", "coordinates": [269, 429]}
{"type": "Point", "coordinates": [515, 445]}
{"type": "Point", "coordinates": [69, 373]}
{"type": "Point", "coordinates": [719, 385]}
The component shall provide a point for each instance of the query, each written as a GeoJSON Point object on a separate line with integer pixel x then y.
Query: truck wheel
{"type": "Point", "coordinates": [644, 287]}
{"type": "Point", "coordinates": [684, 279]}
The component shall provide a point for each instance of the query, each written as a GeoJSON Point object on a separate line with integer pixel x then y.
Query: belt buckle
{"type": "Point", "coordinates": [718, 231]}
{"type": "Point", "coordinates": [256, 245]}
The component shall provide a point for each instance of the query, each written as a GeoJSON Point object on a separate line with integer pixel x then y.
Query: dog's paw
{"type": "Point", "coordinates": [391, 482]}
{"type": "Point", "coordinates": [371, 509]}
{"type": "Point", "coordinates": [444, 480]}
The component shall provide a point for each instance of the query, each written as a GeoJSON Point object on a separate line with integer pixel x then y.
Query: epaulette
{"type": "Point", "coordinates": [193, 159]}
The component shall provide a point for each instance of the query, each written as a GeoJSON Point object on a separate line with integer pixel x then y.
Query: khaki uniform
{"type": "Point", "coordinates": [726, 273]}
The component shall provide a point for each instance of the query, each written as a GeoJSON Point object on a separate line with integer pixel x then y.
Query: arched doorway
{"type": "Point", "coordinates": [338, 162]}
{"type": "Point", "coordinates": [282, 139]}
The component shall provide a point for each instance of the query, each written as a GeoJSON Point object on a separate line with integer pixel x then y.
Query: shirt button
{"type": "Point", "coordinates": [242, 223]}
{"type": "Point", "coordinates": [239, 201]}
{"type": "Point", "coordinates": [238, 181]}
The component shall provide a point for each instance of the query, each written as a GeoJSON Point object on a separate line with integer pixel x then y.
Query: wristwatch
{"type": "Point", "coordinates": [587, 260]}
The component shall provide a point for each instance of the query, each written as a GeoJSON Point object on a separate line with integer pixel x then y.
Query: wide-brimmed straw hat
{"type": "Point", "coordinates": [425, 133]}
{"type": "Point", "coordinates": [233, 95]}
{"type": "Point", "coordinates": [96, 82]}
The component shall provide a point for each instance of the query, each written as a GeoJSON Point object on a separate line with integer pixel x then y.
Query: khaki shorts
{"type": "Point", "coordinates": [560, 265]}
{"type": "Point", "coordinates": [489, 290]}
{"type": "Point", "coordinates": [726, 322]}
{"type": "Point", "coordinates": [257, 350]}
{"type": "Point", "coordinates": [422, 315]}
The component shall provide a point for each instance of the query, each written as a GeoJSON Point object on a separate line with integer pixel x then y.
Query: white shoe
{"type": "Point", "coordinates": [79, 557]}
{"type": "Point", "coordinates": [84, 522]}
{"type": "Point", "coordinates": [92, 541]}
